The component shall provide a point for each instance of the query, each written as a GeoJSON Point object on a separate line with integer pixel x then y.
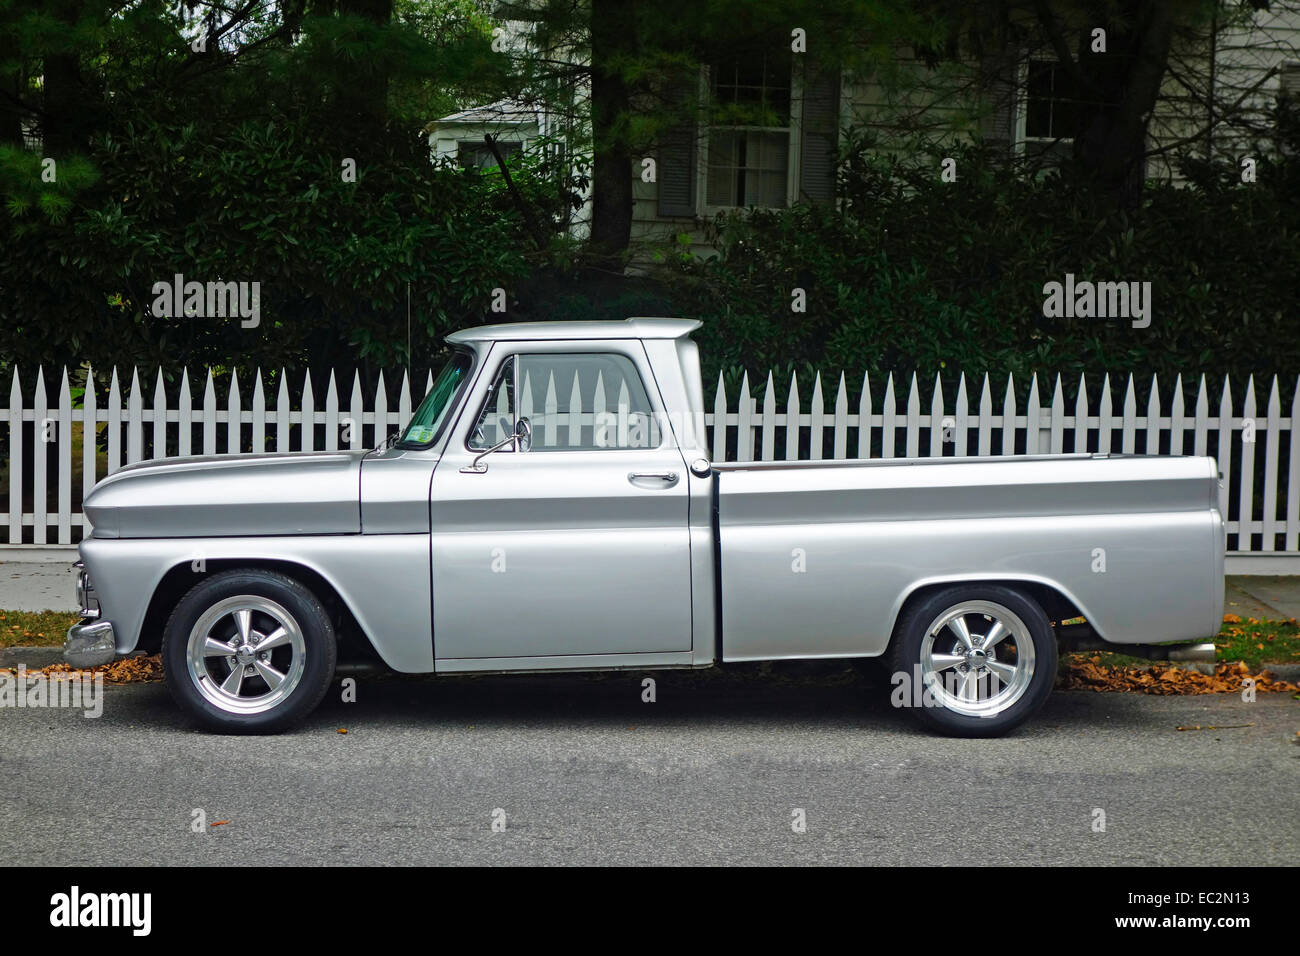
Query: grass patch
{"type": "Point", "coordinates": [1257, 643]}
{"type": "Point", "coordinates": [35, 628]}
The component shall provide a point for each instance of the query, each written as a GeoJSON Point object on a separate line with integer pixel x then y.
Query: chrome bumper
{"type": "Point", "coordinates": [90, 643]}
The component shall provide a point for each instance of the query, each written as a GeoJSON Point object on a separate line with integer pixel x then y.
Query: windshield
{"type": "Point", "coordinates": [427, 422]}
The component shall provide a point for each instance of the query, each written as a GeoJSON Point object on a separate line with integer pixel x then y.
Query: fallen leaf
{"type": "Point", "coordinates": [1215, 727]}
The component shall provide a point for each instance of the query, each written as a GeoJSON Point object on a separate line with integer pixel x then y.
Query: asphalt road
{"type": "Point", "coordinates": [712, 772]}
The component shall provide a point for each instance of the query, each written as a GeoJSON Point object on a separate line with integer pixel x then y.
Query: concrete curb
{"type": "Point", "coordinates": [1287, 672]}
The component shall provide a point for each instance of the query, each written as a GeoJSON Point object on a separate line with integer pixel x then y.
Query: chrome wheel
{"type": "Point", "coordinates": [977, 658]}
{"type": "Point", "coordinates": [246, 654]}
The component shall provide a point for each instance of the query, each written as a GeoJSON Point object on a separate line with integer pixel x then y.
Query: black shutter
{"type": "Point", "coordinates": [676, 162]}
{"type": "Point", "coordinates": [820, 134]}
{"type": "Point", "coordinates": [998, 83]}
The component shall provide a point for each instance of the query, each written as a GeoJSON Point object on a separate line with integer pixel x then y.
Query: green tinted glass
{"type": "Point", "coordinates": [429, 418]}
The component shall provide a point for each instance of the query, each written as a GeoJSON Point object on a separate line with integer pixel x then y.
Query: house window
{"type": "Point", "coordinates": [474, 154]}
{"type": "Point", "coordinates": [749, 132]}
{"type": "Point", "coordinates": [1049, 112]}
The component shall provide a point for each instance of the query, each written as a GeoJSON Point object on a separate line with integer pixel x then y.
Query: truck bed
{"type": "Point", "coordinates": [818, 558]}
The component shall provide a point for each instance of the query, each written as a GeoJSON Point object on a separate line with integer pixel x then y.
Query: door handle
{"type": "Point", "coordinates": [669, 478]}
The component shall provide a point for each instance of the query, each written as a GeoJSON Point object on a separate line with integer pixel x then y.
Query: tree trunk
{"type": "Point", "coordinates": [11, 117]}
{"type": "Point", "coordinates": [1110, 141]}
{"type": "Point", "coordinates": [363, 84]}
{"type": "Point", "coordinates": [62, 122]}
{"type": "Point", "coordinates": [611, 176]}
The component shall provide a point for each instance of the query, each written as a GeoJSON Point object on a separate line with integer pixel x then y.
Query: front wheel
{"type": "Point", "coordinates": [973, 660]}
{"type": "Point", "coordinates": [249, 651]}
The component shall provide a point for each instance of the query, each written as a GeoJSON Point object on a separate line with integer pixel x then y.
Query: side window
{"type": "Point", "coordinates": [496, 422]}
{"type": "Point", "coordinates": [585, 401]}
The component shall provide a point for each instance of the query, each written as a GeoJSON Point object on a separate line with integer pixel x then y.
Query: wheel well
{"type": "Point", "coordinates": [353, 643]}
{"type": "Point", "coordinates": [1055, 605]}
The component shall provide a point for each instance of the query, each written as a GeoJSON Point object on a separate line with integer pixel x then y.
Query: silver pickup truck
{"type": "Point", "coordinates": [551, 506]}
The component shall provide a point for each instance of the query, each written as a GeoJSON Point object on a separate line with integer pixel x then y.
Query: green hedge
{"type": "Point", "coordinates": [915, 274]}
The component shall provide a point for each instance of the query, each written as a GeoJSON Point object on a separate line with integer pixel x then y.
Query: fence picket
{"type": "Point", "coordinates": [864, 418]}
{"type": "Point", "coordinates": [307, 437]}
{"type": "Point", "coordinates": [380, 433]}
{"type": "Point", "coordinates": [1292, 541]}
{"type": "Point", "coordinates": [1105, 421]}
{"type": "Point", "coordinates": [1079, 437]}
{"type": "Point", "coordinates": [259, 415]}
{"type": "Point", "coordinates": [331, 414]}
{"type": "Point", "coordinates": [550, 411]}
{"type": "Point", "coordinates": [356, 415]}
{"type": "Point", "coordinates": [114, 424]}
{"type": "Point", "coordinates": [15, 461]}
{"type": "Point", "coordinates": [1246, 485]}
{"type": "Point", "coordinates": [744, 422]}
{"type": "Point", "coordinates": [792, 426]}
{"type": "Point", "coordinates": [985, 446]}
{"type": "Point", "coordinates": [816, 421]}
{"type": "Point", "coordinates": [1033, 417]}
{"type": "Point", "coordinates": [888, 424]}
{"type": "Point", "coordinates": [1057, 424]}
{"type": "Point", "coordinates": [961, 419]}
{"type": "Point", "coordinates": [1129, 436]}
{"type": "Point", "coordinates": [1152, 444]}
{"type": "Point", "coordinates": [768, 439]}
{"type": "Point", "coordinates": [89, 441]}
{"type": "Point", "coordinates": [234, 414]}
{"type": "Point", "coordinates": [1200, 435]}
{"type": "Point", "coordinates": [283, 415]}
{"type": "Point", "coordinates": [64, 453]}
{"type": "Point", "coordinates": [841, 420]}
{"type": "Point", "coordinates": [184, 416]}
{"type": "Point", "coordinates": [1009, 418]}
{"type": "Point", "coordinates": [575, 413]}
{"type": "Point", "coordinates": [404, 403]}
{"type": "Point", "coordinates": [719, 446]}
{"type": "Point", "coordinates": [159, 441]}
{"type": "Point", "coordinates": [40, 488]}
{"type": "Point", "coordinates": [938, 426]}
{"type": "Point", "coordinates": [913, 420]}
{"type": "Point", "coordinates": [1270, 468]}
{"type": "Point", "coordinates": [135, 421]}
{"type": "Point", "coordinates": [209, 416]}
{"type": "Point", "coordinates": [1223, 450]}
{"type": "Point", "coordinates": [1177, 418]}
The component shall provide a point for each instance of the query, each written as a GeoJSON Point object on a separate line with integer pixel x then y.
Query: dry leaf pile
{"type": "Point", "coordinates": [128, 670]}
{"type": "Point", "coordinates": [1165, 678]}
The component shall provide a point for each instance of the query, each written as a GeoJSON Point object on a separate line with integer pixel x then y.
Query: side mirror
{"type": "Point", "coordinates": [522, 440]}
{"type": "Point", "coordinates": [476, 467]}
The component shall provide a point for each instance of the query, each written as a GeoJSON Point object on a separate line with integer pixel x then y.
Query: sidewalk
{"type": "Point", "coordinates": [38, 585]}
{"type": "Point", "coordinates": [1266, 597]}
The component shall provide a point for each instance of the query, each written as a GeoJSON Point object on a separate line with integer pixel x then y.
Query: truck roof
{"type": "Point", "coordinates": [634, 328]}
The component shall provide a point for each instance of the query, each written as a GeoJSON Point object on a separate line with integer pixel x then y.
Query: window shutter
{"type": "Point", "coordinates": [820, 134]}
{"type": "Point", "coordinates": [997, 78]}
{"type": "Point", "coordinates": [676, 162]}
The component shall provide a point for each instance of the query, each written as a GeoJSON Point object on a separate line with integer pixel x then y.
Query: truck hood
{"type": "Point", "coordinates": [293, 493]}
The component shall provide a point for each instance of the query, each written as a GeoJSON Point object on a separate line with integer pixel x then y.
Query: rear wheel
{"type": "Point", "coordinates": [973, 660]}
{"type": "Point", "coordinates": [249, 651]}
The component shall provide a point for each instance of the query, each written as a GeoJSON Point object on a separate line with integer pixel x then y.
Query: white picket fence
{"type": "Point", "coordinates": [1261, 491]}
